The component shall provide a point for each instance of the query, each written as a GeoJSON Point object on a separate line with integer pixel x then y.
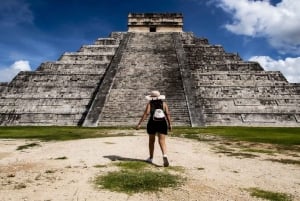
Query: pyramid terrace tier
{"type": "Point", "coordinates": [211, 91]}
{"type": "Point", "coordinates": [212, 58]}
{"type": "Point", "coordinates": [85, 57]}
{"type": "Point", "coordinates": [99, 49]}
{"type": "Point", "coordinates": [239, 78]}
{"type": "Point", "coordinates": [251, 105]}
{"type": "Point", "coordinates": [73, 68]}
{"type": "Point", "coordinates": [253, 119]}
{"type": "Point", "coordinates": [44, 105]}
{"type": "Point", "coordinates": [228, 66]}
{"type": "Point", "coordinates": [107, 41]}
{"type": "Point", "coordinates": [43, 82]}
{"type": "Point", "coordinates": [39, 119]}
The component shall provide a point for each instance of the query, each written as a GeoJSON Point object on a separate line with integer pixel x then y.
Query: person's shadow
{"type": "Point", "coordinates": [120, 158]}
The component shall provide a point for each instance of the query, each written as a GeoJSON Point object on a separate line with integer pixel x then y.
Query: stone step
{"type": "Point", "coordinates": [120, 102]}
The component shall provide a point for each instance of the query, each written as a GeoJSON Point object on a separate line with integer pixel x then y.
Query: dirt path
{"type": "Point", "coordinates": [215, 170]}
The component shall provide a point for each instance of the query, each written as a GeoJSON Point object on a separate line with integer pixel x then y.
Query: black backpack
{"type": "Point", "coordinates": [157, 110]}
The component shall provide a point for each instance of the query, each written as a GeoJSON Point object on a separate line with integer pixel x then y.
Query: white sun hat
{"type": "Point", "coordinates": [155, 95]}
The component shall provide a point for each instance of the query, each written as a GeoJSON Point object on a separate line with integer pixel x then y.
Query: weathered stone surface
{"type": "Point", "coordinates": [105, 83]}
{"type": "Point", "coordinates": [57, 93]}
{"type": "Point", "coordinates": [155, 22]}
{"type": "Point", "coordinates": [102, 92]}
{"type": "Point", "coordinates": [233, 92]}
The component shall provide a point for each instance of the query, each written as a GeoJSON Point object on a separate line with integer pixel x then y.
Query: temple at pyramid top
{"type": "Point", "coordinates": [155, 22]}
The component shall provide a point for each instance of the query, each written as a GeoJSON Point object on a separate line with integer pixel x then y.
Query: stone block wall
{"type": "Point", "coordinates": [231, 91]}
{"type": "Point", "coordinates": [148, 22]}
{"type": "Point", "coordinates": [60, 92]}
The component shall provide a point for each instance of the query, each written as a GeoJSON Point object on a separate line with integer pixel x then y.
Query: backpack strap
{"type": "Point", "coordinates": [164, 107]}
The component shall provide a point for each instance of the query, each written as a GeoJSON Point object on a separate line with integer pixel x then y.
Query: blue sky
{"type": "Point", "coordinates": [34, 31]}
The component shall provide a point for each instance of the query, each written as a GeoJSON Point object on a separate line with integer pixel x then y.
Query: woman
{"type": "Point", "coordinates": [157, 124]}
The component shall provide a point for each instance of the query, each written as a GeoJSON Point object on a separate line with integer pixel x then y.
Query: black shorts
{"type": "Point", "coordinates": [154, 127]}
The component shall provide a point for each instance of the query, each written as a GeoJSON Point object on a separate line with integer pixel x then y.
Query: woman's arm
{"type": "Point", "coordinates": [145, 115]}
{"type": "Point", "coordinates": [168, 116]}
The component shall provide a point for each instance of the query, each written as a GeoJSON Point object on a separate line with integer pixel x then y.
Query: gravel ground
{"type": "Point", "coordinates": [215, 169]}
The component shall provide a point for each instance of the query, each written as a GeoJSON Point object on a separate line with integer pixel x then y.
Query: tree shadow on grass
{"type": "Point", "coordinates": [120, 158]}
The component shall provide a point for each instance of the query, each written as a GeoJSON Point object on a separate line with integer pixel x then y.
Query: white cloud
{"type": "Point", "coordinates": [289, 67]}
{"type": "Point", "coordinates": [21, 66]}
{"type": "Point", "coordinates": [6, 74]}
{"type": "Point", "coordinates": [280, 24]}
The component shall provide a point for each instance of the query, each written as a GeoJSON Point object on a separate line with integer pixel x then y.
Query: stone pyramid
{"type": "Point", "coordinates": [104, 84]}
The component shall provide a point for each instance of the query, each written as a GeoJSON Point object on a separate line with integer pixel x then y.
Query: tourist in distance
{"type": "Point", "coordinates": [158, 123]}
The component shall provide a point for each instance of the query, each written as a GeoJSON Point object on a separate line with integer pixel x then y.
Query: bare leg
{"type": "Point", "coordinates": [163, 147]}
{"type": "Point", "coordinates": [162, 143]}
{"type": "Point", "coordinates": [151, 145]}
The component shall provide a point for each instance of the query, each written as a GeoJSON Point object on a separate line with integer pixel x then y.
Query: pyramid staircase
{"type": "Point", "coordinates": [148, 62]}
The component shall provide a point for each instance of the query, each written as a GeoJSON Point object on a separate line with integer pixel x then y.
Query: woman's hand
{"type": "Point", "coordinates": [138, 127]}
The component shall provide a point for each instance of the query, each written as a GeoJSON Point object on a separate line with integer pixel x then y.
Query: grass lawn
{"type": "Point", "coordinates": [274, 135]}
{"type": "Point", "coordinates": [59, 133]}
{"type": "Point", "coordinates": [269, 195]}
{"type": "Point", "coordinates": [136, 177]}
